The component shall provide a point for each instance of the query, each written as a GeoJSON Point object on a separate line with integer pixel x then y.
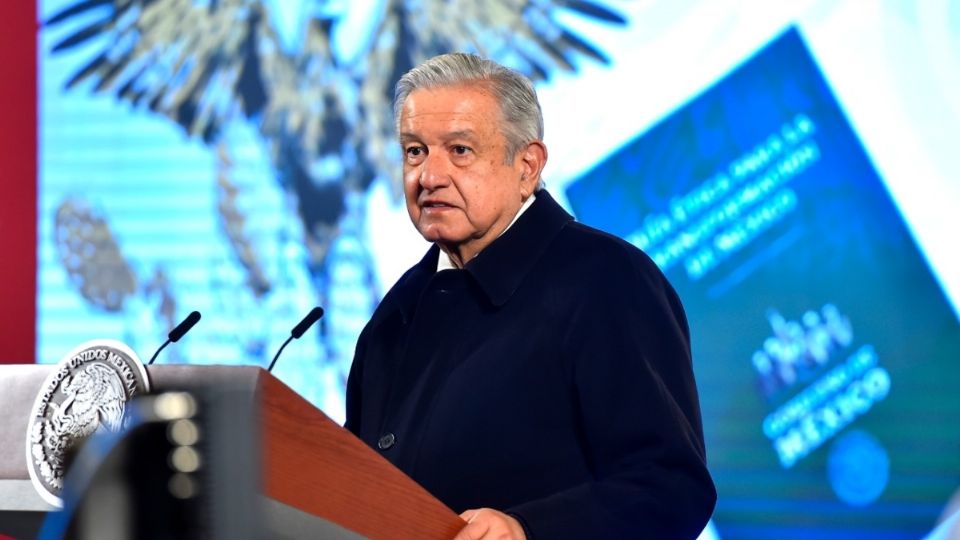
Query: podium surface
{"type": "Point", "coordinates": [315, 477]}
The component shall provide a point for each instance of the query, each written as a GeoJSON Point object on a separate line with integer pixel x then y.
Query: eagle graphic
{"type": "Point", "coordinates": [325, 117]}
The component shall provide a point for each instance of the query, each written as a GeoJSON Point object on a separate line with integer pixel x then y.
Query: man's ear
{"type": "Point", "coordinates": [533, 158]}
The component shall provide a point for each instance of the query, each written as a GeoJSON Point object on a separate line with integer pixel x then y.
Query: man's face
{"type": "Point", "coordinates": [461, 192]}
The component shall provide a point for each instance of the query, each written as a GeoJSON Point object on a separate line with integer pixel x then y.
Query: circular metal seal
{"type": "Point", "coordinates": [87, 391]}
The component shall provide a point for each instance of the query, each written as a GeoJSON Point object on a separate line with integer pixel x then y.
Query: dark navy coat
{"type": "Point", "coordinates": [551, 379]}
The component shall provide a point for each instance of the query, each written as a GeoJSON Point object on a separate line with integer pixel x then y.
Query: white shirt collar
{"type": "Point", "coordinates": [444, 262]}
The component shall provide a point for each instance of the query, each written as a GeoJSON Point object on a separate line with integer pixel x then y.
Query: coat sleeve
{"type": "Point", "coordinates": [354, 383]}
{"type": "Point", "coordinates": [629, 348]}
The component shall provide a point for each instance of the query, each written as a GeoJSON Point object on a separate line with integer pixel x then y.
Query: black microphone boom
{"type": "Point", "coordinates": [178, 332]}
{"type": "Point", "coordinates": [298, 331]}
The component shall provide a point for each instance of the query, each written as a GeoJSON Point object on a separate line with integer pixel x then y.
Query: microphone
{"type": "Point", "coordinates": [298, 331]}
{"type": "Point", "coordinates": [178, 332]}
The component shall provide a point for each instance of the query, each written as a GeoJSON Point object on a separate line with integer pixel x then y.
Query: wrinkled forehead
{"type": "Point", "coordinates": [471, 96]}
{"type": "Point", "coordinates": [470, 109]}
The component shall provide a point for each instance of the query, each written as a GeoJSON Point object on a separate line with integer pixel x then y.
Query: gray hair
{"type": "Point", "coordinates": [521, 117]}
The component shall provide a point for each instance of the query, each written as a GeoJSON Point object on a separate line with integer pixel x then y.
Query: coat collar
{"type": "Point", "coordinates": [503, 265]}
{"type": "Point", "coordinates": [407, 291]}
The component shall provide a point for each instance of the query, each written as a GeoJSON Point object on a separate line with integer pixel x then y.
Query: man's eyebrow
{"type": "Point", "coordinates": [406, 136]}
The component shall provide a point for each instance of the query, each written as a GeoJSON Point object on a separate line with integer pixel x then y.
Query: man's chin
{"type": "Point", "coordinates": [440, 236]}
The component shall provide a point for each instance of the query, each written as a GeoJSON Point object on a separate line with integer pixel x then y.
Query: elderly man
{"type": "Point", "coordinates": [530, 372]}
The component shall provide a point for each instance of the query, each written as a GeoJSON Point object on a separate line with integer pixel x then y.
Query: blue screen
{"type": "Point", "coordinates": [821, 338]}
{"type": "Point", "coordinates": [790, 166]}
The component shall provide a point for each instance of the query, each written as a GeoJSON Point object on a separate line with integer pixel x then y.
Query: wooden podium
{"type": "Point", "coordinates": [316, 476]}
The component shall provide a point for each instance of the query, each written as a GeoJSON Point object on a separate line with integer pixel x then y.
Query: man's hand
{"type": "Point", "coordinates": [489, 524]}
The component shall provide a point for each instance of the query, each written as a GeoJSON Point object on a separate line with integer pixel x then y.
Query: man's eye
{"type": "Point", "coordinates": [414, 151]}
{"type": "Point", "coordinates": [460, 149]}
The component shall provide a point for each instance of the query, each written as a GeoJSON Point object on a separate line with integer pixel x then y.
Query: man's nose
{"type": "Point", "coordinates": [435, 172]}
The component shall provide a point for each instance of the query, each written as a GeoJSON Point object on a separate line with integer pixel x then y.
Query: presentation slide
{"type": "Point", "coordinates": [791, 167]}
{"type": "Point", "coordinates": [824, 348]}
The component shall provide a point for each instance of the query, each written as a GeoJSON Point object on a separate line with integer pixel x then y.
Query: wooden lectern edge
{"type": "Point", "coordinates": [311, 463]}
